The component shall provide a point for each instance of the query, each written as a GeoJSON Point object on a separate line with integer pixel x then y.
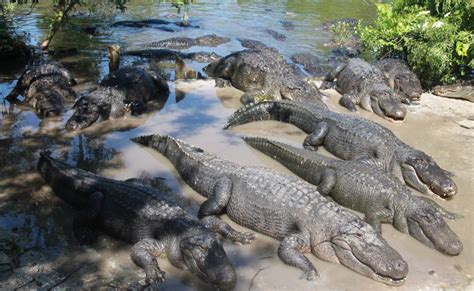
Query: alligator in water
{"type": "Point", "coordinates": [263, 74]}
{"type": "Point", "coordinates": [463, 90]}
{"type": "Point", "coordinates": [187, 42]}
{"type": "Point", "coordinates": [351, 138]}
{"type": "Point", "coordinates": [254, 44]}
{"type": "Point", "coordinates": [160, 24]}
{"type": "Point", "coordinates": [288, 25]}
{"type": "Point", "coordinates": [378, 195]}
{"type": "Point", "coordinates": [122, 91]}
{"type": "Point", "coordinates": [276, 35]}
{"type": "Point", "coordinates": [286, 208]}
{"type": "Point", "coordinates": [311, 64]}
{"type": "Point", "coordinates": [46, 88]}
{"type": "Point", "coordinates": [401, 79]}
{"type": "Point", "coordinates": [160, 54]}
{"type": "Point", "coordinates": [361, 83]}
{"type": "Point", "coordinates": [146, 217]}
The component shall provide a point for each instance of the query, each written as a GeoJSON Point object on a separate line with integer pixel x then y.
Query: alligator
{"type": "Point", "coordinates": [463, 90]}
{"type": "Point", "coordinates": [362, 84]}
{"type": "Point", "coordinates": [401, 79]}
{"type": "Point", "coordinates": [286, 208]}
{"type": "Point", "coordinates": [146, 217]}
{"type": "Point", "coordinates": [254, 44]}
{"type": "Point", "coordinates": [311, 64]}
{"type": "Point", "coordinates": [154, 23]}
{"type": "Point", "coordinates": [187, 42]}
{"type": "Point", "coordinates": [276, 35]}
{"type": "Point", "coordinates": [46, 88]}
{"type": "Point", "coordinates": [263, 74]}
{"type": "Point", "coordinates": [350, 22]}
{"type": "Point", "coordinates": [354, 138]}
{"type": "Point", "coordinates": [159, 54]}
{"type": "Point", "coordinates": [288, 25]}
{"type": "Point", "coordinates": [378, 195]}
{"type": "Point", "coordinates": [123, 91]}
{"type": "Point", "coordinates": [341, 55]}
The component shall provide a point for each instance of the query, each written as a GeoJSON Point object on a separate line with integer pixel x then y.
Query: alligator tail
{"type": "Point", "coordinates": [266, 110]}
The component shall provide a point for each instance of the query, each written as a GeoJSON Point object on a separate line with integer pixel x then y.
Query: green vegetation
{"type": "Point", "coordinates": [434, 36]}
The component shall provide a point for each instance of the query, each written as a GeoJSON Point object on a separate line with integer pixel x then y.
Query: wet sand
{"type": "Point", "coordinates": [198, 119]}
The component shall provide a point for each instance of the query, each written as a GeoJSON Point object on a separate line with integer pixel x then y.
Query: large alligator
{"type": "Point", "coordinates": [401, 79]}
{"type": "Point", "coordinates": [122, 91]}
{"type": "Point", "coordinates": [187, 42]}
{"type": "Point", "coordinates": [283, 207]}
{"type": "Point", "coordinates": [351, 138]}
{"type": "Point", "coordinates": [160, 24]}
{"type": "Point", "coordinates": [377, 194]}
{"type": "Point", "coordinates": [463, 90]}
{"type": "Point", "coordinates": [45, 87]}
{"type": "Point", "coordinates": [361, 83]}
{"type": "Point", "coordinates": [263, 74]}
{"type": "Point", "coordinates": [146, 217]}
{"type": "Point", "coordinates": [159, 54]}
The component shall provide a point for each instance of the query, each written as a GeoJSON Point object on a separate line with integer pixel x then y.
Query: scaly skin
{"type": "Point", "coordinates": [263, 74]}
{"type": "Point", "coordinates": [377, 194]}
{"type": "Point", "coordinates": [362, 84]}
{"type": "Point", "coordinates": [286, 208]}
{"type": "Point", "coordinates": [122, 91]}
{"type": "Point", "coordinates": [165, 54]}
{"type": "Point", "coordinates": [46, 88]}
{"type": "Point", "coordinates": [146, 217]}
{"type": "Point", "coordinates": [187, 42]}
{"type": "Point", "coordinates": [401, 79]}
{"type": "Point", "coordinates": [350, 138]}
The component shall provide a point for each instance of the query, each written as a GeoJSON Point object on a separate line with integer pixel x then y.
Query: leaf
{"type": "Point", "coordinates": [462, 49]}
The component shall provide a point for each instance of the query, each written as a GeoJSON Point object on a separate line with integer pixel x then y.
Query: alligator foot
{"type": "Point", "coordinates": [223, 83]}
{"type": "Point", "coordinates": [224, 229]}
{"type": "Point", "coordinates": [154, 274]}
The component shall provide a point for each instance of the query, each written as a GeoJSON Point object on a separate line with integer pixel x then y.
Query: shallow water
{"type": "Point", "coordinates": [35, 226]}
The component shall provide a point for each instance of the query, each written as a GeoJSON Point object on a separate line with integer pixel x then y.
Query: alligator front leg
{"type": "Point", "coordinates": [144, 255]}
{"type": "Point", "coordinates": [84, 220]}
{"type": "Point", "coordinates": [316, 139]}
{"type": "Point", "coordinates": [291, 252]}
{"type": "Point", "coordinates": [223, 83]}
{"type": "Point", "coordinates": [219, 198]}
{"type": "Point", "coordinates": [327, 181]}
{"type": "Point", "coordinates": [349, 101]}
{"type": "Point", "coordinates": [223, 228]}
{"type": "Point", "coordinates": [376, 218]}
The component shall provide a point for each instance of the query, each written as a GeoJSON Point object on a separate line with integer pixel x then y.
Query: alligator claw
{"type": "Point", "coordinates": [312, 275]}
{"type": "Point", "coordinates": [310, 147]}
{"type": "Point", "coordinates": [154, 275]}
{"type": "Point", "coordinates": [244, 237]}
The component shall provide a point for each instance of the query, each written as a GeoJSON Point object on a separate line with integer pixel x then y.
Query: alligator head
{"type": "Point", "coordinates": [48, 103]}
{"type": "Point", "coordinates": [385, 104]}
{"type": "Point", "coordinates": [408, 86]}
{"type": "Point", "coordinates": [421, 172]}
{"type": "Point", "coordinates": [205, 257]}
{"type": "Point", "coordinates": [357, 246]}
{"type": "Point", "coordinates": [86, 113]}
{"type": "Point", "coordinates": [428, 226]}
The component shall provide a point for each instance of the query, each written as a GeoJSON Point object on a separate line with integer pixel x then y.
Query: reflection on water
{"type": "Point", "coordinates": [195, 111]}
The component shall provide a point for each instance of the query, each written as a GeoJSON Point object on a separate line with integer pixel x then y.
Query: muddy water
{"type": "Point", "coordinates": [35, 226]}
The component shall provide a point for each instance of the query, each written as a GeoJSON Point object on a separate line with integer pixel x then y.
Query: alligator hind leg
{"type": "Point", "coordinates": [85, 218]}
{"type": "Point", "coordinates": [316, 138]}
{"type": "Point", "coordinates": [327, 181]}
{"type": "Point", "coordinates": [291, 252]}
{"type": "Point", "coordinates": [224, 229]}
{"type": "Point", "coordinates": [144, 255]}
{"type": "Point", "coordinates": [218, 199]}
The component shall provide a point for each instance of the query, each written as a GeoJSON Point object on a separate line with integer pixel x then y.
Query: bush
{"type": "Point", "coordinates": [434, 37]}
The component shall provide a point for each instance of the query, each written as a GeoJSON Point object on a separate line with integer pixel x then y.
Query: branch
{"type": "Point", "coordinates": [57, 25]}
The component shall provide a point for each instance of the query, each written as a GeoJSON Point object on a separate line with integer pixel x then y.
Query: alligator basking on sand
{"type": "Point", "coordinates": [286, 208]}
{"type": "Point", "coordinates": [463, 90]}
{"type": "Point", "coordinates": [211, 40]}
{"type": "Point", "coordinates": [161, 54]}
{"type": "Point", "coordinates": [146, 217]}
{"type": "Point", "coordinates": [122, 91]}
{"type": "Point", "coordinates": [361, 83]}
{"type": "Point", "coordinates": [351, 138]}
{"type": "Point", "coordinates": [378, 195]}
{"type": "Point", "coordinates": [401, 79]}
{"type": "Point", "coordinates": [46, 88]}
{"type": "Point", "coordinates": [263, 74]}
